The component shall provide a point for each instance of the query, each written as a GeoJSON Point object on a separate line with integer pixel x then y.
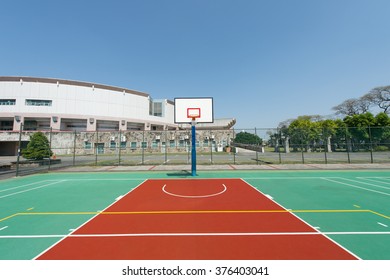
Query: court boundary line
{"type": "Point", "coordinates": [32, 189]}
{"type": "Point", "coordinates": [376, 181]}
{"type": "Point", "coordinates": [69, 234]}
{"type": "Point", "coordinates": [369, 184]}
{"type": "Point", "coordinates": [353, 186]}
{"type": "Point", "coordinates": [22, 186]}
{"type": "Point", "coordinates": [309, 225]}
{"type": "Point", "coordinates": [298, 233]}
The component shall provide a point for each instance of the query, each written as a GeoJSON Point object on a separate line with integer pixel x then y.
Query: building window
{"type": "Point", "coordinates": [156, 108]}
{"type": "Point", "coordinates": [7, 101]}
{"type": "Point", "coordinates": [172, 143]}
{"type": "Point", "coordinates": [87, 145]}
{"type": "Point", "coordinates": [133, 145]}
{"type": "Point", "coordinates": [123, 145]}
{"type": "Point", "coordinates": [112, 145]}
{"type": "Point", "coordinates": [38, 102]}
{"type": "Point", "coordinates": [144, 145]}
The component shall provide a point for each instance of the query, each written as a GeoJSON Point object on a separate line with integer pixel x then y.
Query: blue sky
{"type": "Point", "coordinates": [263, 61]}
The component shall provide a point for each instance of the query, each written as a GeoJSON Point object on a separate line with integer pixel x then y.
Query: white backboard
{"type": "Point", "coordinates": [187, 106]}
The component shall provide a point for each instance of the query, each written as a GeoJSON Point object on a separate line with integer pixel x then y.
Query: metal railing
{"type": "Point", "coordinates": [131, 148]}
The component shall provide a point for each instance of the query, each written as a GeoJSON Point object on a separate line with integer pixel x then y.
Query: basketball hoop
{"type": "Point", "coordinates": [193, 113]}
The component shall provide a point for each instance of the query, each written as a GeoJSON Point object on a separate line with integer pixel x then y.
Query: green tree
{"type": "Point", "coordinates": [38, 147]}
{"type": "Point", "coordinates": [248, 138]}
{"type": "Point", "coordinates": [304, 132]}
{"type": "Point", "coordinates": [358, 130]}
{"type": "Point", "coordinates": [381, 133]}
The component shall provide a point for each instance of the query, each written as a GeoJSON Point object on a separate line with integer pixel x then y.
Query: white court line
{"type": "Point", "coordinates": [65, 236]}
{"type": "Point", "coordinates": [369, 184]}
{"type": "Point", "coordinates": [383, 225]}
{"type": "Point", "coordinates": [49, 184]}
{"type": "Point", "coordinates": [22, 186]}
{"type": "Point", "coordinates": [282, 178]}
{"type": "Point", "coordinates": [306, 223]}
{"type": "Point", "coordinates": [353, 186]}
{"type": "Point", "coordinates": [376, 181]}
{"type": "Point", "coordinates": [3, 228]}
{"type": "Point", "coordinates": [196, 234]}
{"type": "Point", "coordinates": [194, 196]}
{"type": "Point", "coordinates": [94, 179]}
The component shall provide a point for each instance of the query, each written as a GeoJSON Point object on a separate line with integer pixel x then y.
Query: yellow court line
{"type": "Point", "coordinates": [9, 217]}
{"type": "Point", "coordinates": [379, 214]}
{"type": "Point", "coordinates": [197, 212]}
{"type": "Point", "coordinates": [57, 213]}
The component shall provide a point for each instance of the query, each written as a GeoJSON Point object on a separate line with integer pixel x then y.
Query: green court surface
{"type": "Point", "coordinates": [350, 207]}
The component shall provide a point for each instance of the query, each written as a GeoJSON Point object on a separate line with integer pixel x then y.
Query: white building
{"type": "Point", "coordinates": [43, 103]}
{"type": "Point", "coordinates": [57, 105]}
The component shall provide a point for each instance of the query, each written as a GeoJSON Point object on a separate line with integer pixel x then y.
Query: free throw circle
{"type": "Point", "coordinates": [219, 192]}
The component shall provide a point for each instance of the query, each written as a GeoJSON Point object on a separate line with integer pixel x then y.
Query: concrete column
{"type": "Point", "coordinates": [55, 123]}
{"type": "Point", "coordinates": [329, 145]}
{"type": "Point", "coordinates": [123, 125]}
{"type": "Point", "coordinates": [91, 124]}
{"type": "Point", "coordinates": [286, 145]}
{"type": "Point", "coordinates": [18, 119]}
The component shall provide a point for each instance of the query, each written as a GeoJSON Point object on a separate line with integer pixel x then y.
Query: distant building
{"type": "Point", "coordinates": [62, 105]}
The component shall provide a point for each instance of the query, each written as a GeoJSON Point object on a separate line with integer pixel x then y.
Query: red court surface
{"type": "Point", "coordinates": [192, 219]}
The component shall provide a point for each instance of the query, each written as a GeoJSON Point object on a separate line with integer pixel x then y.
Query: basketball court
{"type": "Point", "coordinates": [215, 215]}
{"type": "Point", "coordinates": [289, 215]}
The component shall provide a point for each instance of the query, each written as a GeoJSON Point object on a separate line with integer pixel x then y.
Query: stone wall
{"type": "Point", "coordinates": [86, 143]}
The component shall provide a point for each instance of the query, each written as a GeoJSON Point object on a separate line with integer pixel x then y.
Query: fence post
{"type": "Point", "coordinates": [257, 153]}
{"type": "Point", "coordinates": [280, 141]}
{"type": "Point", "coordinates": [19, 149]}
{"type": "Point", "coordinates": [371, 147]}
{"type": "Point", "coordinates": [211, 147]}
{"type": "Point", "coordinates": [97, 147]}
{"type": "Point", "coordinates": [74, 148]}
{"type": "Point", "coordinates": [120, 147]}
{"type": "Point", "coordinates": [143, 148]}
{"type": "Point", "coordinates": [347, 144]}
{"type": "Point", "coordinates": [51, 129]}
{"type": "Point", "coordinates": [166, 145]}
{"type": "Point", "coordinates": [303, 157]}
{"type": "Point", "coordinates": [325, 139]}
{"type": "Point", "coordinates": [235, 148]}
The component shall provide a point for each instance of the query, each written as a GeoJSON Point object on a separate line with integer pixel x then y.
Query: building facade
{"type": "Point", "coordinates": [63, 105]}
{"type": "Point", "coordinates": [57, 105]}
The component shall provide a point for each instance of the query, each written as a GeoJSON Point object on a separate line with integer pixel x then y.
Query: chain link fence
{"type": "Point", "coordinates": [278, 146]}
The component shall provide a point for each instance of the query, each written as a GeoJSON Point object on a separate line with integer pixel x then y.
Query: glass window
{"type": "Point", "coordinates": [144, 145]}
{"type": "Point", "coordinates": [7, 101]}
{"type": "Point", "coordinates": [123, 145]}
{"type": "Point", "coordinates": [156, 108]}
{"type": "Point", "coordinates": [133, 145]}
{"type": "Point", "coordinates": [87, 145]}
{"type": "Point", "coordinates": [112, 144]}
{"type": "Point", "coordinates": [38, 102]}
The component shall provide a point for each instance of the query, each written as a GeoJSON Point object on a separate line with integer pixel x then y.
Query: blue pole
{"type": "Point", "coordinates": [193, 150]}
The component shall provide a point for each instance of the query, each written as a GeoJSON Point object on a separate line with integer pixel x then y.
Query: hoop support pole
{"type": "Point", "coordinates": [193, 147]}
